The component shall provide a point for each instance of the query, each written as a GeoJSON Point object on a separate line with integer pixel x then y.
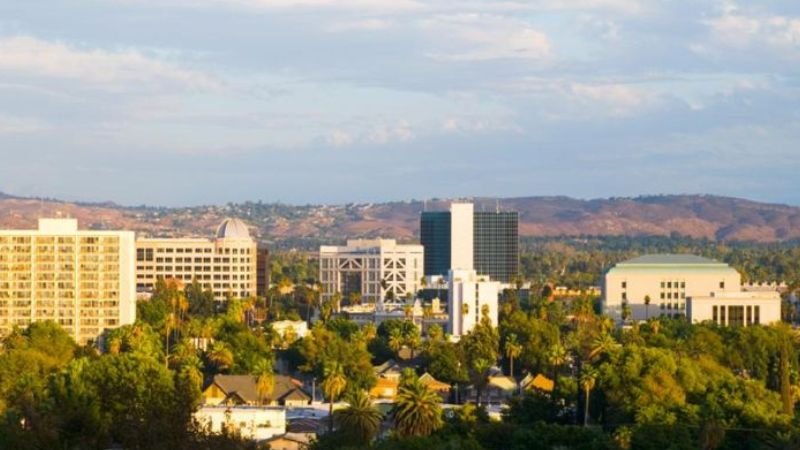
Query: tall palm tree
{"type": "Point", "coordinates": [220, 355]}
{"type": "Point", "coordinates": [333, 385]}
{"type": "Point", "coordinates": [396, 341]}
{"type": "Point", "coordinates": [417, 410]}
{"type": "Point", "coordinates": [588, 379]}
{"type": "Point", "coordinates": [647, 306]}
{"type": "Point", "coordinates": [556, 356]}
{"type": "Point", "coordinates": [513, 350]}
{"type": "Point", "coordinates": [360, 419]}
{"type": "Point", "coordinates": [602, 345]}
{"type": "Point", "coordinates": [480, 372]}
{"type": "Point", "coordinates": [265, 381]}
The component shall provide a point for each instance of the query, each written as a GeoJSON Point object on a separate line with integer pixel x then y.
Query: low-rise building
{"type": "Point", "coordinates": [243, 390]}
{"type": "Point", "coordinates": [741, 309]}
{"type": "Point", "coordinates": [295, 329]}
{"type": "Point", "coordinates": [257, 423]}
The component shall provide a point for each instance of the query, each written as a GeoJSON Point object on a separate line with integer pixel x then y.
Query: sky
{"type": "Point", "coordinates": [188, 102]}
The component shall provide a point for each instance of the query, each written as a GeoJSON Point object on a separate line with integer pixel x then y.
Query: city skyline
{"type": "Point", "coordinates": [183, 102]}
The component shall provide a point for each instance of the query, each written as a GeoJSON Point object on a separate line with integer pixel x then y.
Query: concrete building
{"type": "Point", "coordinates": [81, 279]}
{"type": "Point", "coordinates": [257, 423]}
{"type": "Point", "coordinates": [226, 264]}
{"type": "Point", "coordinates": [376, 269]}
{"type": "Point", "coordinates": [668, 282]}
{"type": "Point", "coordinates": [298, 329]}
{"type": "Point", "coordinates": [740, 309]}
{"type": "Point", "coordinates": [470, 296]}
{"type": "Point", "coordinates": [465, 239]}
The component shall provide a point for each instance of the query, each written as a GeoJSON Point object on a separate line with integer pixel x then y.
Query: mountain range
{"type": "Point", "coordinates": [700, 216]}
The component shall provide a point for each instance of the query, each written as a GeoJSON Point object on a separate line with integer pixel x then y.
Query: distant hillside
{"type": "Point", "coordinates": [702, 216]}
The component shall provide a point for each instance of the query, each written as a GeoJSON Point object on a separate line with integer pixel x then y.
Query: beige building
{"type": "Point", "coordinates": [470, 296]}
{"type": "Point", "coordinates": [372, 268]}
{"type": "Point", "coordinates": [225, 264]}
{"type": "Point", "coordinates": [81, 279]}
{"type": "Point", "coordinates": [741, 309]}
{"type": "Point", "coordinates": [667, 281]}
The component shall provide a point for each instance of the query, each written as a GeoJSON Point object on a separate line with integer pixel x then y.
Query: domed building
{"type": "Point", "coordinates": [227, 264]}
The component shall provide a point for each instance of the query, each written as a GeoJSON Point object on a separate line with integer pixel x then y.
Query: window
{"type": "Point", "coordinates": [722, 285]}
{"type": "Point", "coordinates": [736, 316]}
{"type": "Point", "coordinates": [669, 285]}
{"type": "Point", "coordinates": [749, 315]}
{"type": "Point", "coordinates": [756, 314]}
{"type": "Point", "coordinates": [662, 285]}
{"type": "Point", "coordinates": [722, 315]}
{"type": "Point", "coordinates": [683, 285]}
{"type": "Point", "coordinates": [624, 285]}
{"type": "Point", "coordinates": [624, 295]}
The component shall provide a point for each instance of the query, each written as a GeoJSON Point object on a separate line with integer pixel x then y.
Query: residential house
{"type": "Point", "coordinates": [242, 390]}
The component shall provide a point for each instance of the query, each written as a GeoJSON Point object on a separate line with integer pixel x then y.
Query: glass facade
{"type": "Point", "coordinates": [496, 243]}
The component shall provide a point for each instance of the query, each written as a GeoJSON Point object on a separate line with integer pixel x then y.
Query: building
{"type": "Point", "coordinates": [257, 423]}
{"type": "Point", "coordinates": [81, 279]}
{"type": "Point", "coordinates": [242, 390]}
{"type": "Point", "coordinates": [374, 270]}
{"type": "Point", "coordinates": [294, 329]}
{"type": "Point", "coordinates": [263, 271]}
{"type": "Point", "coordinates": [464, 239]}
{"type": "Point", "coordinates": [685, 285]}
{"type": "Point", "coordinates": [226, 264]}
{"type": "Point", "coordinates": [740, 309]}
{"type": "Point", "coordinates": [470, 297]}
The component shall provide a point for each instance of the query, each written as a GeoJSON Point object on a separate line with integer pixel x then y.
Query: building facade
{"type": "Point", "coordinates": [735, 309]}
{"type": "Point", "coordinates": [226, 264]}
{"type": "Point", "coordinates": [376, 269]}
{"type": "Point", "coordinates": [463, 239]}
{"type": "Point", "coordinates": [470, 297]}
{"type": "Point", "coordinates": [81, 279]}
{"type": "Point", "coordinates": [256, 423]}
{"type": "Point", "coordinates": [655, 285]}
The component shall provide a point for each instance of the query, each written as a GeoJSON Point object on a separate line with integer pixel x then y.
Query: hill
{"type": "Point", "coordinates": [700, 216]}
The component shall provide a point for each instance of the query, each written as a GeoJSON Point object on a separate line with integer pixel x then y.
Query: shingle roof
{"type": "Point", "coordinates": [244, 387]}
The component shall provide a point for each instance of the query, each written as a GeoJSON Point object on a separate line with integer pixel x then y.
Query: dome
{"type": "Point", "coordinates": [232, 229]}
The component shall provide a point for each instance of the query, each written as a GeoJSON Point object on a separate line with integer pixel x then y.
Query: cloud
{"type": "Point", "coordinates": [340, 138]}
{"type": "Point", "coordinates": [105, 69]}
{"type": "Point", "coordinates": [375, 134]}
{"type": "Point", "coordinates": [739, 30]}
{"type": "Point", "coordinates": [19, 125]}
{"type": "Point", "coordinates": [371, 24]}
{"type": "Point", "coordinates": [480, 37]}
{"type": "Point", "coordinates": [619, 98]}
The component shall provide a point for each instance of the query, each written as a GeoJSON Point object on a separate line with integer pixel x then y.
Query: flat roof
{"type": "Point", "coordinates": [671, 259]}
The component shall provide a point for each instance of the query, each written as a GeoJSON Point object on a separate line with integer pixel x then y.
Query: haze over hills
{"type": "Point", "coordinates": [702, 216]}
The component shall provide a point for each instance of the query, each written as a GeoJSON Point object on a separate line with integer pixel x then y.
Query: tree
{"type": "Point", "coordinates": [333, 385]}
{"type": "Point", "coordinates": [587, 381]}
{"type": "Point", "coordinates": [265, 381]}
{"type": "Point", "coordinates": [647, 306]}
{"type": "Point", "coordinates": [417, 410]}
{"type": "Point", "coordinates": [396, 341]}
{"type": "Point", "coordinates": [513, 350]}
{"type": "Point", "coordinates": [220, 356]}
{"type": "Point", "coordinates": [360, 420]}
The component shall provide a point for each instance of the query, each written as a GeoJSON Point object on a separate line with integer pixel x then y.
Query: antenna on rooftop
{"type": "Point", "coordinates": [497, 205]}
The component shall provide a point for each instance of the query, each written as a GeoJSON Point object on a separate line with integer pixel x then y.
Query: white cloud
{"type": "Point", "coordinates": [339, 138]}
{"type": "Point", "coordinates": [479, 37]}
{"type": "Point", "coordinates": [739, 30]}
{"type": "Point", "coordinates": [111, 70]}
{"type": "Point", "coordinates": [371, 24]}
{"type": "Point", "coordinates": [18, 125]}
{"type": "Point", "coordinates": [619, 97]}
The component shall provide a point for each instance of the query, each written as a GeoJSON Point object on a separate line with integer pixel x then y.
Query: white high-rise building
{"type": "Point", "coordinates": [84, 280]}
{"type": "Point", "coordinates": [470, 297]}
{"type": "Point", "coordinates": [372, 268]}
{"type": "Point", "coordinates": [462, 238]}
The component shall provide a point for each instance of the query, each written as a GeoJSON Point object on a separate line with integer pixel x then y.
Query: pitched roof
{"type": "Point", "coordinates": [433, 383]}
{"type": "Point", "coordinates": [540, 382]}
{"type": "Point", "coordinates": [244, 387]}
{"type": "Point", "coordinates": [504, 383]}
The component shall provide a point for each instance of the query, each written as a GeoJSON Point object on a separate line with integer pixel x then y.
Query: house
{"type": "Point", "coordinates": [538, 382]}
{"type": "Point", "coordinates": [290, 441]}
{"type": "Point", "coordinates": [242, 390]}
{"type": "Point", "coordinates": [256, 423]}
{"type": "Point", "coordinates": [385, 389]}
{"type": "Point", "coordinates": [440, 387]}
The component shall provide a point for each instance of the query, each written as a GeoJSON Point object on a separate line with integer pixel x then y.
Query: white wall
{"type": "Point", "coordinates": [467, 288]}
{"type": "Point", "coordinates": [256, 423]}
{"type": "Point", "coordinates": [701, 308]}
{"type": "Point", "coordinates": [462, 236]}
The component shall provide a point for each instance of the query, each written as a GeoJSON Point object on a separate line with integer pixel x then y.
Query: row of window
{"type": "Point", "coordinates": [737, 316]}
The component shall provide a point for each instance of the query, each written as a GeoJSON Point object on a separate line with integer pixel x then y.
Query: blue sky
{"type": "Point", "coordinates": [176, 102]}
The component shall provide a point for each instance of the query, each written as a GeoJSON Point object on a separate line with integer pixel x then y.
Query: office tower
{"type": "Point", "coordinates": [81, 279]}
{"type": "Point", "coordinates": [225, 264]}
{"type": "Point", "coordinates": [375, 269]}
{"type": "Point", "coordinates": [462, 238]}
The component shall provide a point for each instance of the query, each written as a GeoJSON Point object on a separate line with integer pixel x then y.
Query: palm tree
{"type": "Point", "coordinates": [412, 340]}
{"type": "Point", "coordinates": [265, 381]}
{"type": "Point", "coordinates": [587, 380]}
{"type": "Point", "coordinates": [647, 306]}
{"type": "Point", "coordinates": [333, 385]}
{"type": "Point", "coordinates": [360, 419]}
{"type": "Point", "coordinates": [556, 356]}
{"type": "Point", "coordinates": [417, 410]}
{"type": "Point", "coordinates": [601, 345]}
{"type": "Point", "coordinates": [480, 371]}
{"type": "Point", "coordinates": [513, 350]}
{"type": "Point", "coordinates": [220, 355]}
{"type": "Point", "coordinates": [396, 341]}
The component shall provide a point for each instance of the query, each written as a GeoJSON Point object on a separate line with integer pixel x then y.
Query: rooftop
{"type": "Point", "coordinates": [670, 259]}
{"type": "Point", "coordinates": [233, 229]}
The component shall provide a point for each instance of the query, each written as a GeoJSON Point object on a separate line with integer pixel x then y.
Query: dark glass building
{"type": "Point", "coordinates": [495, 243]}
